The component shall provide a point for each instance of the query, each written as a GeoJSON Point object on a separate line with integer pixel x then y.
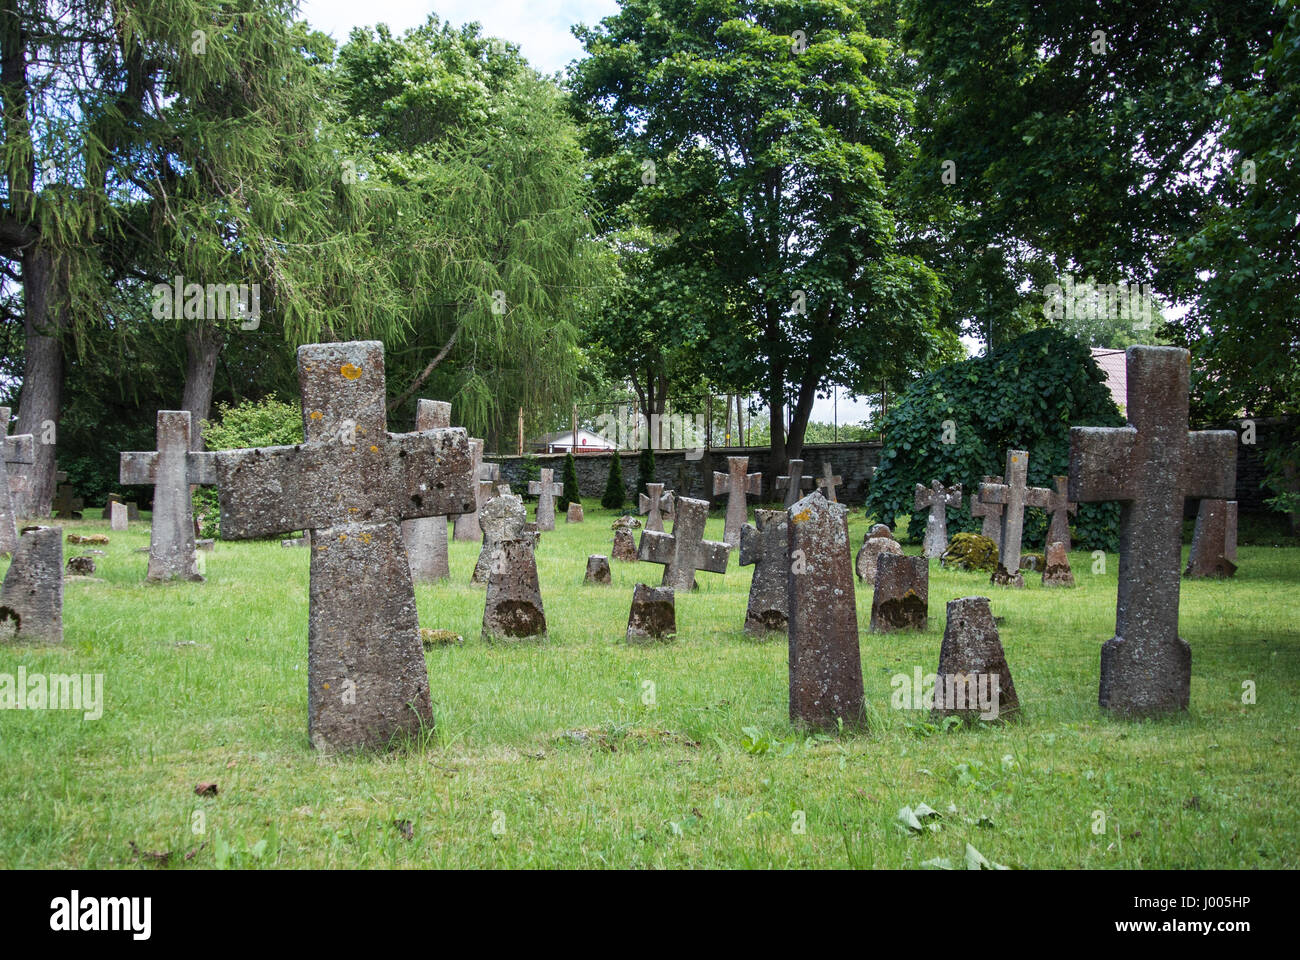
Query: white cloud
{"type": "Point", "coordinates": [541, 29]}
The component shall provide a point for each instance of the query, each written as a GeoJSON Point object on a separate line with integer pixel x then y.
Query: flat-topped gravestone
{"type": "Point", "coordinates": [938, 498]}
{"type": "Point", "coordinates": [547, 490]}
{"type": "Point", "coordinates": [426, 537]}
{"type": "Point", "coordinates": [17, 450]}
{"type": "Point", "coordinates": [1209, 554]}
{"type": "Point", "coordinates": [764, 545]}
{"type": "Point", "coordinates": [653, 617]}
{"type": "Point", "coordinates": [513, 609]}
{"type": "Point", "coordinates": [31, 600]}
{"type": "Point", "coordinates": [991, 513]}
{"type": "Point", "coordinates": [351, 483]}
{"type": "Point", "coordinates": [685, 550]}
{"type": "Point", "coordinates": [880, 540]}
{"type": "Point", "coordinates": [171, 469]}
{"type": "Point", "coordinates": [466, 525]}
{"type": "Point", "coordinates": [1151, 466]}
{"type": "Point", "coordinates": [1056, 566]}
{"type": "Point", "coordinates": [574, 513]}
{"type": "Point", "coordinates": [901, 599]}
{"type": "Point", "coordinates": [116, 515]}
{"type": "Point", "coordinates": [656, 504]}
{"type": "Point", "coordinates": [1230, 537]}
{"type": "Point", "coordinates": [825, 667]}
{"type": "Point", "coordinates": [735, 483]}
{"type": "Point", "coordinates": [502, 518]}
{"type": "Point", "coordinates": [1059, 507]}
{"type": "Point", "coordinates": [1014, 496]}
{"type": "Point", "coordinates": [598, 570]}
{"type": "Point", "coordinates": [19, 468]}
{"type": "Point", "coordinates": [976, 681]}
{"type": "Point", "coordinates": [624, 545]}
{"type": "Point", "coordinates": [794, 483]}
{"type": "Point", "coordinates": [828, 481]}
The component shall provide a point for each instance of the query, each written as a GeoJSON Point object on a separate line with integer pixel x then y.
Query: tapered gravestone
{"type": "Point", "coordinates": [938, 498]}
{"type": "Point", "coordinates": [116, 515]}
{"type": "Point", "coordinates": [735, 483]}
{"type": "Point", "coordinates": [598, 570]}
{"type": "Point", "coordinates": [764, 546]}
{"type": "Point", "coordinates": [574, 513]}
{"type": "Point", "coordinates": [880, 540]}
{"type": "Point", "coordinates": [466, 525]}
{"type": "Point", "coordinates": [653, 617]}
{"type": "Point", "coordinates": [624, 545]}
{"type": "Point", "coordinates": [828, 481]}
{"type": "Point", "coordinates": [901, 599]}
{"type": "Point", "coordinates": [171, 469]}
{"type": "Point", "coordinates": [513, 609]}
{"type": "Point", "coordinates": [31, 600]}
{"type": "Point", "coordinates": [1150, 466]}
{"type": "Point", "coordinates": [825, 668]}
{"type": "Point", "coordinates": [794, 483]}
{"type": "Point", "coordinates": [1059, 507]}
{"type": "Point", "coordinates": [972, 665]}
{"type": "Point", "coordinates": [1230, 537]}
{"type": "Point", "coordinates": [1056, 566]}
{"type": "Point", "coordinates": [1209, 554]}
{"type": "Point", "coordinates": [656, 504]}
{"type": "Point", "coordinates": [546, 489]}
{"type": "Point", "coordinates": [502, 518]}
{"type": "Point", "coordinates": [17, 450]}
{"type": "Point", "coordinates": [351, 483]}
{"type": "Point", "coordinates": [991, 513]}
{"type": "Point", "coordinates": [426, 537]}
{"type": "Point", "coordinates": [1014, 496]}
{"type": "Point", "coordinates": [685, 550]}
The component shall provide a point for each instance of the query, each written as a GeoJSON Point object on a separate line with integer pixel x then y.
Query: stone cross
{"type": "Point", "coordinates": [1014, 496]}
{"type": "Point", "coordinates": [685, 550]}
{"type": "Point", "coordinates": [765, 547]}
{"type": "Point", "coordinates": [466, 526]}
{"type": "Point", "coordinates": [991, 512]}
{"type": "Point", "coordinates": [350, 482]}
{"type": "Point", "coordinates": [547, 490]}
{"type": "Point", "coordinates": [1150, 466]}
{"type": "Point", "coordinates": [426, 537]}
{"type": "Point", "coordinates": [18, 449]}
{"type": "Point", "coordinates": [657, 503]}
{"type": "Point", "coordinates": [793, 483]}
{"type": "Point", "coordinates": [502, 518]}
{"type": "Point", "coordinates": [825, 666]}
{"type": "Point", "coordinates": [171, 469]}
{"type": "Point", "coordinates": [828, 481]}
{"type": "Point", "coordinates": [938, 498]}
{"type": "Point", "coordinates": [1059, 507]}
{"type": "Point", "coordinates": [735, 483]}
{"type": "Point", "coordinates": [67, 505]}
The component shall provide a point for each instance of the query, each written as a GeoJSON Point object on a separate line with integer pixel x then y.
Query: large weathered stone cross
{"type": "Point", "coordinates": [938, 498]}
{"type": "Point", "coordinates": [18, 449]}
{"type": "Point", "coordinates": [547, 490]}
{"type": "Point", "coordinates": [351, 482]}
{"type": "Point", "coordinates": [685, 550]}
{"type": "Point", "coordinates": [1014, 496]}
{"type": "Point", "coordinates": [171, 469]}
{"type": "Point", "coordinates": [735, 483]}
{"type": "Point", "coordinates": [1059, 507]}
{"type": "Point", "coordinates": [991, 513]}
{"type": "Point", "coordinates": [426, 537]}
{"type": "Point", "coordinates": [793, 483]}
{"type": "Point", "coordinates": [828, 481]}
{"type": "Point", "coordinates": [656, 504]}
{"type": "Point", "coordinates": [1150, 466]}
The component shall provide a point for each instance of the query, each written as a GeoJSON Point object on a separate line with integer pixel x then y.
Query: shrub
{"type": "Point", "coordinates": [645, 469]}
{"type": "Point", "coordinates": [571, 493]}
{"type": "Point", "coordinates": [615, 495]}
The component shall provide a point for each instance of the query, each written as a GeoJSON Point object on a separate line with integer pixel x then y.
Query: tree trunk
{"type": "Point", "coordinates": [202, 348]}
{"type": "Point", "coordinates": [776, 417]}
{"type": "Point", "coordinates": [799, 419]}
{"type": "Point", "coordinates": [44, 290]}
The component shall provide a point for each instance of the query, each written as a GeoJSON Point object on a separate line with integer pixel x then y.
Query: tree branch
{"type": "Point", "coordinates": [424, 374]}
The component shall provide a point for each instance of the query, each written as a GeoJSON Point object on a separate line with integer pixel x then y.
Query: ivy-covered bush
{"type": "Point", "coordinates": [264, 423]}
{"type": "Point", "coordinates": [1023, 396]}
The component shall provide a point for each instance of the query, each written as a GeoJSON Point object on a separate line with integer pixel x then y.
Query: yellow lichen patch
{"type": "Point", "coordinates": [365, 538]}
{"type": "Point", "coordinates": [327, 686]}
{"type": "Point", "coordinates": [316, 415]}
{"type": "Point", "coordinates": [802, 516]}
{"type": "Point", "coordinates": [342, 537]}
{"type": "Point", "coordinates": [354, 509]}
{"type": "Point", "coordinates": [373, 448]}
{"type": "Point", "coordinates": [350, 371]}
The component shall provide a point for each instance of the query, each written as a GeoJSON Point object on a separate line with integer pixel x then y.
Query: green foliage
{"type": "Point", "coordinates": [571, 493]}
{"type": "Point", "coordinates": [530, 470]}
{"type": "Point", "coordinates": [1025, 396]}
{"type": "Point", "coordinates": [614, 496]}
{"type": "Point", "coordinates": [261, 423]}
{"type": "Point", "coordinates": [645, 469]}
{"type": "Point", "coordinates": [970, 551]}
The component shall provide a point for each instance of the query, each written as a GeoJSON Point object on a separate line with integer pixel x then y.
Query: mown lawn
{"type": "Point", "coordinates": [584, 752]}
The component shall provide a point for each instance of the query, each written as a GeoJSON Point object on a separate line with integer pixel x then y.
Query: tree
{"type": "Point", "coordinates": [761, 163]}
{"type": "Point", "coordinates": [571, 492]}
{"type": "Point", "coordinates": [645, 469]}
{"type": "Point", "coordinates": [615, 495]}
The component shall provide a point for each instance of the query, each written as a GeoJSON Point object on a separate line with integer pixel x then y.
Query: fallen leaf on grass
{"type": "Point", "coordinates": [206, 789]}
{"type": "Point", "coordinates": [150, 856]}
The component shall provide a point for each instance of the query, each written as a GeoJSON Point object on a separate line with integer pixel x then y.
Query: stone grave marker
{"type": "Point", "coordinates": [546, 489]}
{"type": "Point", "coordinates": [624, 545]}
{"type": "Point", "coordinates": [656, 504]}
{"type": "Point", "coordinates": [938, 498]}
{"type": "Point", "coordinates": [685, 550]}
{"type": "Point", "coordinates": [67, 505]}
{"type": "Point", "coordinates": [972, 665]}
{"type": "Point", "coordinates": [653, 617]}
{"type": "Point", "coordinates": [735, 483]}
{"type": "Point", "coordinates": [901, 599]}
{"type": "Point", "coordinates": [764, 545]}
{"type": "Point", "coordinates": [117, 515]}
{"type": "Point", "coordinates": [502, 518]}
{"type": "Point", "coordinates": [426, 537]}
{"type": "Point", "coordinates": [1059, 507]}
{"type": "Point", "coordinates": [1150, 466]}
{"type": "Point", "coordinates": [17, 450]}
{"type": "Point", "coordinates": [879, 540]}
{"type": "Point", "coordinates": [1209, 554]}
{"type": "Point", "coordinates": [466, 525]}
{"type": "Point", "coordinates": [1014, 496]}
{"type": "Point", "coordinates": [825, 667]}
{"type": "Point", "coordinates": [31, 599]}
{"type": "Point", "coordinates": [991, 513]}
{"type": "Point", "coordinates": [1230, 537]}
{"type": "Point", "coordinates": [574, 513]}
{"type": "Point", "coordinates": [598, 570]}
{"type": "Point", "coordinates": [171, 469]}
{"type": "Point", "coordinates": [794, 483]}
{"type": "Point", "coordinates": [828, 481]}
{"type": "Point", "coordinates": [351, 483]}
{"type": "Point", "coordinates": [513, 609]}
{"type": "Point", "coordinates": [1056, 566]}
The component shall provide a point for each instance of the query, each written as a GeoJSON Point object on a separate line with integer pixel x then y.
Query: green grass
{"type": "Point", "coordinates": [553, 746]}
